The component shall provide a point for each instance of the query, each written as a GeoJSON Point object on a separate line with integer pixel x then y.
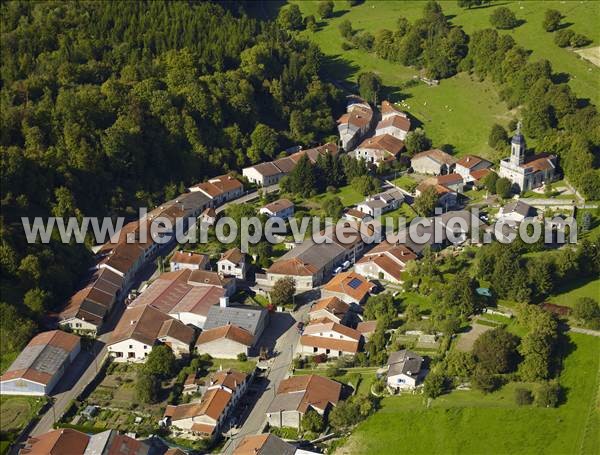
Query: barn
{"type": "Point", "coordinates": [41, 364]}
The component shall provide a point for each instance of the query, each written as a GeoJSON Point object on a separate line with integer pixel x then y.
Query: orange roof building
{"type": "Point", "coordinates": [206, 416]}
{"type": "Point", "coordinates": [297, 394]}
{"type": "Point", "coordinates": [350, 287]}
{"type": "Point", "coordinates": [324, 336]}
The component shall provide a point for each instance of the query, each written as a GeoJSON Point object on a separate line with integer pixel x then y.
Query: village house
{"type": "Point", "coordinates": [527, 172]}
{"type": "Point", "coordinates": [355, 123]}
{"type": "Point", "coordinates": [404, 370]}
{"type": "Point", "coordinates": [142, 327]}
{"type": "Point", "coordinates": [206, 417]}
{"type": "Point", "coordinates": [468, 164]}
{"type": "Point", "coordinates": [172, 294]}
{"type": "Point", "coordinates": [477, 178]}
{"type": "Point", "coordinates": [435, 161]}
{"type": "Point", "coordinates": [225, 342]}
{"type": "Point", "coordinates": [281, 208]}
{"type": "Point", "coordinates": [350, 287]}
{"type": "Point", "coordinates": [324, 336]}
{"type": "Point", "coordinates": [233, 264]}
{"type": "Point", "coordinates": [188, 260]}
{"type": "Point", "coordinates": [87, 309]}
{"type": "Point", "coordinates": [379, 149]}
{"type": "Point", "coordinates": [298, 394]}
{"type": "Point", "coordinates": [41, 364]}
{"type": "Point", "coordinates": [366, 329]}
{"type": "Point", "coordinates": [386, 261]}
{"type": "Point", "coordinates": [66, 441]}
{"type": "Point", "coordinates": [208, 217]}
{"type": "Point", "coordinates": [132, 248]}
{"type": "Point", "coordinates": [453, 182]}
{"type": "Point", "coordinates": [311, 263]}
{"type": "Point", "coordinates": [381, 203]}
{"type": "Point", "coordinates": [209, 278]}
{"type": "Point", "coordinates": [264, 444]}
{"type": "Point", "coordinates": [516, 211]}
{"type": "Point", "coordinates": [270, 173]}
{"type": "Point", "coordinates": [393, 122]}
{"type": "Point", "coordinates": [253, 319]}
{"type": "Point", "coordinates": [331, 308]}
{"type": "Point", "coordinates": [220, 189]}
{"type": "Point", "coordinates": [191, 385]}
{"type": "Point", "coordinates": [447, 198]}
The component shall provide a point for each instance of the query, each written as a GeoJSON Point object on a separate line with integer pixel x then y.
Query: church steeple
{"type": "Point", "coordinates": [517, 147]}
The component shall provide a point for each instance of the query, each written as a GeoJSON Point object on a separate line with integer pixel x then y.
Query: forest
{"type": "Point", "coordinates": [109, 106]}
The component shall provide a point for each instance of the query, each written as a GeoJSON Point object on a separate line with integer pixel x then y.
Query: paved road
{"type": "Point", "coordinates": [286, 349]}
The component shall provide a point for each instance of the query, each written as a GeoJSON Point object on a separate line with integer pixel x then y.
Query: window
{"type": "Point", "coordinates": [327, 351]}
{"type": "Point", "coordinates": [145, 346]}
{"type": "Point", "coordinates": [130, 346]}
{"type": "Point", "coordinates": [315, 349]}
{"type": "Point", "coordinates": [118, 354]}
{"type": "Point", "coordinates": [131, 355]}
{"type": "Point", "coordinates": [339, 353]}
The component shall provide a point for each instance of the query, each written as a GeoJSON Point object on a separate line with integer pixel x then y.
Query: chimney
{"type": "Point", "coordinates": [223, 302]}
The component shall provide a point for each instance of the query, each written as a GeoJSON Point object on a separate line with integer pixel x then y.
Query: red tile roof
{"type": "Point", "coordinates": [230, 332]}
{"type": "Point", "coordinates": [385, 142]}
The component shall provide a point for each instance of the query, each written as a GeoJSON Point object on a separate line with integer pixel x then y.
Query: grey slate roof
{"type": "Point", "coordinates": [275, 445]}
{"type": "Point", "coordinates": [244, 316]}
{"type": "Point", "coordinates": [286, 401]}
{"type": "Point", "coordinates": [404, 362]}
{"type": "Point", "coordinates": [518, 206]}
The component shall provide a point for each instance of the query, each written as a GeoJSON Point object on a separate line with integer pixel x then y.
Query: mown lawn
{"type": "Point", "coordinates": [347, 194]}
{"type": "Point", "coordinates": [576, 291]}
{"type": "Point", "coordinates": [470, 422]}
{"type": "Point", "coordinates": [461, 110]}
{"type": "Point", "coordinates": [15, 413]}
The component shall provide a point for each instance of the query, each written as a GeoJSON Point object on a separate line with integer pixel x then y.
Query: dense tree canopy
{"type": "Point", "coordinates": [108, 106]}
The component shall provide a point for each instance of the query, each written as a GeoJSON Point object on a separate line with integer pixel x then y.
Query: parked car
{"type": "Point", "coordinates": [337, 270]}
{"type": "Point", "coordinates": [300, 326]}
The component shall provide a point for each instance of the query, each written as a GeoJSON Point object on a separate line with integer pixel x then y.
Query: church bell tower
{"type": "Point", "coordinates": [517, 147]}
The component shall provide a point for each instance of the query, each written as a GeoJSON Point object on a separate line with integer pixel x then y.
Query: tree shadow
{"type": "Point", "coordinates": [259, 10]}
{"type": "Point", "coordinates": [560, 78]}
{"type": "Point", "coordinates": [339, 13]}
{"type": "Point", "coordinates": [449, 149]}
{"type": "Point", "coordinates": [339, 70]}
{"type": "Point", "coordinates": [519, 23]}
{"type": "Point", "coordinates": [564, 25]}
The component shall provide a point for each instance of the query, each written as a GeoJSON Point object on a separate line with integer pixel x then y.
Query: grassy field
{"type": "Point", "coordinates": [583, 289]}
{"type": "Point", "coordinates": [470, 422]}
{"type": "Point", "coordinates": [461, 110]}
{"type": "Point", "coordinates": [15, 413]}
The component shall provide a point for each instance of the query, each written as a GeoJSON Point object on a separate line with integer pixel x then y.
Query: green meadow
{"type": "Point", "coordinates": [474, 423]}
{"type": "Point", "coordinates": [460, 111]}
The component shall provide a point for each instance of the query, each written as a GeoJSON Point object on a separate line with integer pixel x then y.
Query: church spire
{"type": "Point", "coordinates": [517, 147]}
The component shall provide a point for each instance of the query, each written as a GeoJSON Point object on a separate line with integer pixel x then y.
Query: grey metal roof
{"type": "Point", "coordinates": [286, 401]}
{"type": "Point", "coordinates": [518, 206]}
{"type": "Point", "coordinates": [244, 316]}
{"type": "Point", "coordinates": [41, 358]}
{"type": "Point", "coordinates": [317, 254]}
{"type": "Point", "coordinates": [275, 445]}
{"type": "Point", "coordinates": [98, 443]}
{"type": "Point", "coordinates": [404, 361]}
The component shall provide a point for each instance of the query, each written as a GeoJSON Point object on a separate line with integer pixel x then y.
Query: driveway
{"type": "Point", "coordinates": [285, 348]}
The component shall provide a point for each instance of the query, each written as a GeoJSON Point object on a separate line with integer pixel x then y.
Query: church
{"type": "Point", "coordinates": [527, 172]}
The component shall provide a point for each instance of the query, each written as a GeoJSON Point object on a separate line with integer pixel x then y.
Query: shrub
{"type": "Point", "coordinates": [435, 384]}
{"type": "Point", "coordinates": [484, 380]}
{"type": "Point", "coordinates": [523, 397]}
{"type": "Point", "coordinates": [346, 46]}
{"type": "Point", "coordinates": [562, 38]}
{"type": "Point", "coordinates": [503, 18]}
{"type": "Point", "coordinates": [298, 362]}
{"type": "Point", "coordinates": [552, 20]}
{"type": "Point", "coordinates": [312, 421]}
{"type": "Point", "coordinates": [579, 40]}
{"type": "Point", "coordinates": [319, 358]}
{"type": "Point", "coordinates": [333, 371]}
{"type": "Point", "coordinates": [242, 357]}
{"type": "Point", "coordinates": [548, 395]}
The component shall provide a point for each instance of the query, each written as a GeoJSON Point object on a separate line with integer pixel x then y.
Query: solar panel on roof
{"type": "Point", "coordinates": [354, 283]}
